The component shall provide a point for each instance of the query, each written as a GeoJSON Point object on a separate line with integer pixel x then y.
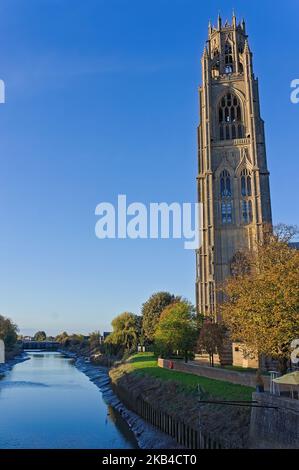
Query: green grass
{"type": "Point", "coordinates": [146, 363]}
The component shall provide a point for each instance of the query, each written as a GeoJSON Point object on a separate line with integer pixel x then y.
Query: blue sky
{"type": "Point", "coordinates": [101, 100]}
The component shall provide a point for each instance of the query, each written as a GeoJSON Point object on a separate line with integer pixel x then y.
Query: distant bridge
{"type": "Point", "coordinates": [48, 345]}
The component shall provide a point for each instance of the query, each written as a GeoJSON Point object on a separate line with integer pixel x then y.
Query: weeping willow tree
{"type": "Point", "coordinates": [125, 335]}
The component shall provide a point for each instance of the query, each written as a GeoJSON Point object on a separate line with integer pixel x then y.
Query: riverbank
{"type": "Point", "coordinates": [21, 356]}
{"type": "Point", "coordinates": [47, 403]}
{"type": "Point", "coordinates": [147, 436]}
{"type": "Point", "coordinates": [166, 396]}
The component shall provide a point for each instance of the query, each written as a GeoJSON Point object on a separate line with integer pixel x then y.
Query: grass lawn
{"type": "Point", "coordinates": [146, 363]}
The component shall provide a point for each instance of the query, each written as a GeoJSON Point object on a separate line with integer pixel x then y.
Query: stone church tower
{"type": "Point", "coordinates": [233, 179]}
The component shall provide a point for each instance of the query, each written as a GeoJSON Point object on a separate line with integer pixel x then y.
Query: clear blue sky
{"type": "Point", "coordinates": [101, 99]}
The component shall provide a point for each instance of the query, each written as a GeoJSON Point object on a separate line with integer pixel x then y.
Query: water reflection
{"type": "Point", "coordinates": [47, 403]}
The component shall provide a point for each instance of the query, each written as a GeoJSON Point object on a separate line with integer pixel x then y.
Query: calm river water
{"type": "Point", "coordinates": [46, 402]}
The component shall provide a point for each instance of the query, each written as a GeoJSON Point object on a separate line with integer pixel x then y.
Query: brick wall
{"type": "Point", "coordinates": [241, 378]}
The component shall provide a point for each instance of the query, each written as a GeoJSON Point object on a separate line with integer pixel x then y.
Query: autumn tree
{"type": "Point", "coordinates": [211, 338]}
{"type": "Point", "coordinates": [177, 330]}
{"type": "Point", "coordinates": [151, 311]}
{"type": "Point", "coordinates": [262, 304]}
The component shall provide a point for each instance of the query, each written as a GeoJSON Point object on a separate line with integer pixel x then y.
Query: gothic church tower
{"type": "Point", "coordinates": [233, 179]}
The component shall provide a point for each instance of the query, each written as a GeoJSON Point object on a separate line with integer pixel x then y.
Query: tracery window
{"type": "Point", "coordinates": [230, 118]}
{"type": "Point", "coordinates": [246, 183]}
{"type": "Point", "coordinates": [228, 59]}
{"type": "Point", "coordinates": [246, 193]}
{"type": "Point", "coordinates": [225, 184]}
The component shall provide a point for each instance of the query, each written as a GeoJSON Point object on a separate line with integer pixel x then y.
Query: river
{"type": "Point", "coordinates": [46, 402]}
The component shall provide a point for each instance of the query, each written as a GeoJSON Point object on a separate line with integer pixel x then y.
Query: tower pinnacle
{"type": "Point", "coordinates": [243, 26]}
{"type": "Point", "coordinates": [234, 19]}
{"type": "Point", "coordinates": [219, 21]}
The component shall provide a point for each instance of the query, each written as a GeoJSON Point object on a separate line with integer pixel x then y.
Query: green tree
{"type": "Point", "coordinates": [40, 336]}
{"type": "Point", "coordinates": [151, 312]}
{"type": "Point", "coordinates": [211, 339]}
{"type": "Point", "coordinates": [177, 330]}
{"type": "Point", "coordinates": [262, 304]}
{"type": "Point", "coordinates": [8, 332]}
{"type": "Point", "coordinates": [125, 334]}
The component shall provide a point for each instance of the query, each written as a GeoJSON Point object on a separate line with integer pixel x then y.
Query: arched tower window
{"type": "Point", "coordinates": [246, 193]}
{"type": "Point", "coordinates": [228, 59]}
{"type": "Point", "coordinates": [215, 63]}
{"type": "Point", "coordinates": [230, 118]}
{"type": "Point", "coordinates": [225, 184]}
{"type": "Point", "coordinates": [246, 183]}
{"type": "Point", "coordinates": [226, 197]}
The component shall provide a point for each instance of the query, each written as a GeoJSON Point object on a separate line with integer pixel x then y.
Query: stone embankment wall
{"type": "Point", "coordinates": [177, 413]}
{"type": "Point", "coordinates": [275, 424]}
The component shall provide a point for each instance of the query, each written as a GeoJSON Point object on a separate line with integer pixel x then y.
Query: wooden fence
{"type": "Point", "coordinates": [185, 435]}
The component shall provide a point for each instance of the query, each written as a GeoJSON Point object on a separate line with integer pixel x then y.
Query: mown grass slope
{"type": "Point", "coordinates": [146, 364]}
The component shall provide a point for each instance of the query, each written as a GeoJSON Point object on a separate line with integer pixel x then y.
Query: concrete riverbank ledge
{"type": "Point", "coordinates": [147, 436]}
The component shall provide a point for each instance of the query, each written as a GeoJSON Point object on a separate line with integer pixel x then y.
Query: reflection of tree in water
{"type": "Point", "coordinates": [114, 417]}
